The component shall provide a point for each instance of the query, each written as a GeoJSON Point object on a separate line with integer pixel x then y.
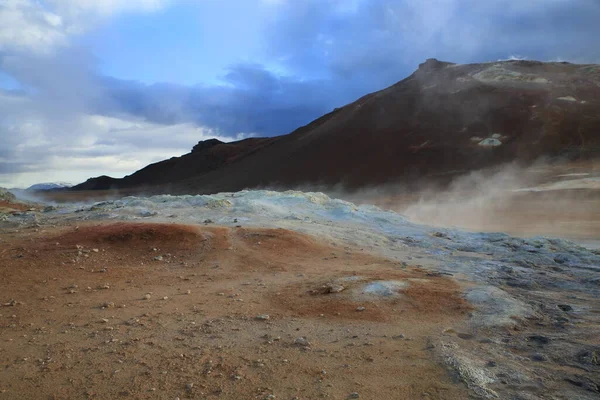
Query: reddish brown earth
{"type": "Point", "coordinates": [76, 322]}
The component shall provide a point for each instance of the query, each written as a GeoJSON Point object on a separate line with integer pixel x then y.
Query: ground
{"type": "Point", "coordinates": [166, 311]}
{"type": "Point", "coordinates": [297, 295]}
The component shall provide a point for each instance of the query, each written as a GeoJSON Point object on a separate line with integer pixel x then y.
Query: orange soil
{"type": "Point", "coordinates": [80, 325]}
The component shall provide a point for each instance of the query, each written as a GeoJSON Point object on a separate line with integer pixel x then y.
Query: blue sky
{"type": "Point", "coordinates": [91, 87]}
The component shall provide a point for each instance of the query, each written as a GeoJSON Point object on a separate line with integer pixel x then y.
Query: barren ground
{"type": "Point", "coordinates": [82, 326]}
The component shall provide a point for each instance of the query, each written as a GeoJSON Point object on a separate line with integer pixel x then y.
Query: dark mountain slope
{"type": "Point", "coordinates": [442, 120]}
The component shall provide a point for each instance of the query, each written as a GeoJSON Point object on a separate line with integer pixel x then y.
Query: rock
{"type": "Point", "coordinates": [589, 357]}
{"type": "Point", "coordinates": [11, 303]}
{"type": "Point", "coordinates": [490, 142]}
{"type": "Point", "coordinates": [538, 339]}
{"type": "Point", "coordinates": [361, 308]}
{"type": "Point", "coordinates": [333, 288]}
{"type": "Point", "coordinates": [565, 307]}
{"type": "Point", "coordinates": [400, 336]}
{"type": "Point", "coordinates": [158, 258]}
{"type": "Point", "coordinates": [108, 305]}
{"type": "Point", "coordinates": [302, 341]}
{"type": "Point", "coordinates": [147, 296]}
{"type": "Point", "coordinates": [189, 387]}
{"type": "Point", "coordinates": [539, 357]}
{"type": "Point", "coordinates": [262, 317]}
{"type": "Point", "coordinates": [353, 395]}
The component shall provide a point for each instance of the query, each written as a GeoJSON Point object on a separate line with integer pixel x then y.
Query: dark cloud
{"type": "Point", "coordinates": [336, 51]}
{"type": "Point", "coordinates": [251, 100]}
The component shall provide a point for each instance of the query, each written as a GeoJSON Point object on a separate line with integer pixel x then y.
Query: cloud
{"type": "Point", "coordinates": [96, 143]}
{"type": "Point", "coordinates": [318, 55]}
{"type": "Point", "coordinates": [379, 40]}
{"type": "Point", "coordinates": [41, 27]}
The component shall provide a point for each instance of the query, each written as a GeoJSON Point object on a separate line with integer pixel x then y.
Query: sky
{"type": "Point", "coordinates": [105, 87]}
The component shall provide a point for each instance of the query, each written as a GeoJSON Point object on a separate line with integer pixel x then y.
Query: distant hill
{"type": "Point", "coordinates": [444, 119]}
{"type": "Point", "coordinates": [49, 186]}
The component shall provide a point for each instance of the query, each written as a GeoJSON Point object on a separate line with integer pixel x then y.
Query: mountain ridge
{"type": "Point", "coordinates": [443, 119]}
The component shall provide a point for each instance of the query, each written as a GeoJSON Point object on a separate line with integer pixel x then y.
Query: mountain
{"type": "Point", "coordinates": [49, 186]}
{"type": "Point", "coordinates": [444, 119]}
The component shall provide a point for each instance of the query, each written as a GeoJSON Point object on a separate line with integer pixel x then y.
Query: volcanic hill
{"type": "Point", "coordinates": [443, 120]}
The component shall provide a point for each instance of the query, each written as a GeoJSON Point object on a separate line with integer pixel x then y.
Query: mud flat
{"type": "Point", "coordinates": [287, 295]}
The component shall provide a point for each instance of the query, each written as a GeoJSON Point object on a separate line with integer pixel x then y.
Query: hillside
{"type": "Point", "coordinates": [444, 119]}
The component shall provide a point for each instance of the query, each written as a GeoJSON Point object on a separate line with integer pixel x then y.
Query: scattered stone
{"type": "Point", "coordinates": [188, 292]}
{"type": "Point", "coordinates": [158, 258]}
{"type": "Point", "coordinates": [95, 250]}
{"type": "Point", "coordinates": [263, 317]}
{"type": "Point", "coordinates": [397, 337]}
{"type": "Point", "coordinates": [589, 357]}
{"type": "Point", "coordinates": [147, 296]}
{"type": "Point", "coordinates": [565, 307]}
{"type": "Point", "coordinates": [539, 357]}
{"type": "Point", "coordinates": [491, 364]}
{"type": "Point", "coordinates": [108, 305]}
{"type": "Point", "coordinates": [302, 341]}
{"type": "Point", "coordinates": [353, 395]}
{"type": "Point", "coordinates": [333, 288]}
{"type": "Point", "coordinates": [189, 387]}
{"type": "Point", "coordinates": [538, 339]}
{"type": "Point", "coordinates": [361, 308]}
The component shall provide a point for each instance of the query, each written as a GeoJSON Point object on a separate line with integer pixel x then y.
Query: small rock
{"type": "Point", "coordinates": [158, 258]}
{"type": "Point", "coordinates": [353, 395]}
{"type": "Point", "coordinates": [565, 307]}
{"type": "Point", "coordinates": [491, 364]}
{"type": "Point", "coordinates": [263, 317]}
{"type": "Point", "coordinates": [11, 303]}
{"type": "Point", "coordinates": [539, 339]}
{"type": "Point", "coordinates": [302, 341]}
{"type": "Point", "coordinates": [189, 387]}
{"type": "Point", "coordinates": [333, 288]}
{"type": "Point", "coordinates": [360, 308]}
{"type": "Point", "coordinates": [400, 336]}
{"type": "Point", "coordinates": [539, 357]}
{"type": "Point", "coordinates": [147, 296]}
{"type": "Point", "coordinates": [109, 304]}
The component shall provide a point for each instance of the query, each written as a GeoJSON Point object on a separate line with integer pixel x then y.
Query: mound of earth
{"type": "Point", "coordinates": [175, 311]}
{"type": "Point", "coordinates": [443, 120]}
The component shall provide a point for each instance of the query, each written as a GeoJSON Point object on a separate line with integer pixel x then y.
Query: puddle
{"type": "Point", "coordinates": [384, 288]}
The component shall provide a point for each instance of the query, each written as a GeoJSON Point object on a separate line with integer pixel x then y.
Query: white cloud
{"type": "Point", "coordinates": [91, 146]}
{"type": "Point", "coordinates": [31, 26]}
